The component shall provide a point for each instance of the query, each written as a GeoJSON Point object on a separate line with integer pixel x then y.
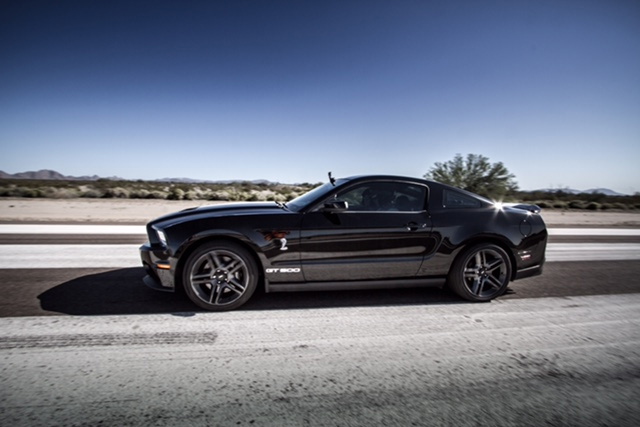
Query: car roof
{"type": "Point", "coordinates": [386, 177]}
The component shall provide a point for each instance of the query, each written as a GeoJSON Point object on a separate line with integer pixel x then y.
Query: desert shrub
{"type": "Point", "coordinates": [280, 198]}
{"type": "Point", "coordinates": [219, 195]}
{"type": "Point", "coordinates": [176, 194]}
{"type": "Point", "coordinates": [15, 191]}
{"type": "Point", "coordinates": [60, 193]}
{"type": "Point", "coordinates": [9, 191]}
{"type": "Point", "coordinates": [559, 204]}
{"type": "Point", "coordinates": [64, 193]}
{"type": "Point", "coordinates": [544, 204]}
{"type": "Point", "coordinates": [242, 196]}
{"type": "Point", "coordinates": [261, 195]}
{"type": "Point", "coordinates": [116, 192]}
{"type": "Point", "coordinates": [91, 194]}
{"type": "Point", "coordinates": [48, 192]}
{"type": "Point", "coordinates": [620, 206]}
{"type": "Point", "coordinates": [89, 191]}
{"type": "Point", "coordinates": [593, 206]}
{"type": "Point", "coordinates": [139, 193]}
{"type": "Point", "coordinates": [156, 194]}
{"type": "Point", "coordinates": [230, 194]}
{"type": "Point", "coordinates": [577, 204]}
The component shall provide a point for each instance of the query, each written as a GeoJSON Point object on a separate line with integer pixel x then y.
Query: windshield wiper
{"type": "Point", "coordinates": [282, 205]}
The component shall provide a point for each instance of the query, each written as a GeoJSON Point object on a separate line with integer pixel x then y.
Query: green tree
{"type": "Point", "coordinates": [476, 174]}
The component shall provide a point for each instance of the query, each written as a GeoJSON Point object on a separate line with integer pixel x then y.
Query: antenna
{"type": "Point", "coordinates": [332, 180]}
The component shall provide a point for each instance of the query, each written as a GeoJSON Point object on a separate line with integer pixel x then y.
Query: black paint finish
{"type": "Point", "coordinates": [394, 230]}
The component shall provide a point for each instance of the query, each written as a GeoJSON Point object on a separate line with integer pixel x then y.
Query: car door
{"type": "Point", "coordinates": [369, 231]}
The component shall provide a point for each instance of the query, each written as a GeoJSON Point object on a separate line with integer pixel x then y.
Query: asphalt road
{"type": "Point", "coordinates": [93, 346]}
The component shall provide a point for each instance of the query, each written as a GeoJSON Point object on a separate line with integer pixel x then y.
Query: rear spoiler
{"type": "Point", "coordinates": [525, 207]}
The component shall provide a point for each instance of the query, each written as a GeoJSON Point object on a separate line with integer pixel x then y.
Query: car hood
{"type": "Point", "coordinates": [224, 209]}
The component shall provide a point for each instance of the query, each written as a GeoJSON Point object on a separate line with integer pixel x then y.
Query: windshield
{"type": "Point", "coordinates": [301, 202]}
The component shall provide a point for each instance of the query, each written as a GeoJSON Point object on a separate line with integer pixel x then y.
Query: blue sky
{"type": "Point", "coordinates": [288, 90]}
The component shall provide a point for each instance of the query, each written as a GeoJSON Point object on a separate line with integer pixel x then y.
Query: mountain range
{"type": "Point", "coordinates": [46, 174]}
{"type": "Point", "coordinates": [53, 175]}
{"type": "Point", "coordinates": [605, 191]}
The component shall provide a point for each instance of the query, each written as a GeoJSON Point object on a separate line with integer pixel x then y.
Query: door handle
{"type": "Point", "coordinates": [414, 226]}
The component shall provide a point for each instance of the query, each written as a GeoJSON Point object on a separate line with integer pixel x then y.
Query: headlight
{"type": "Point", "coordinates": [161, 236]}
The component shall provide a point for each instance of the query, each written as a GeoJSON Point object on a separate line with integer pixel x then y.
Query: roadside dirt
{"type": "Point", "coordinates": [120, 211]}
{"type": "Point", "coordinates": [140, 211]}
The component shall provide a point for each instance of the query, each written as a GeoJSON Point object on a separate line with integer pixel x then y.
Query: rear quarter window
{"type": "Point", "coordinates": [456, 200]}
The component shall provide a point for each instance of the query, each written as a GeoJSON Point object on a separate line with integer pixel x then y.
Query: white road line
{"type": "Point", "coordinates": [71, 229]}
{"type": "Point", "coordinates": [124, 256]}
{"type": "Point", "coordinates": [593, 252]}
{"type": "Point", "coordinates": [141, 229]}
{"type": "Point", "coordinates": [594, 231]}
{"type": "Point", "coordinates": [69, 256]}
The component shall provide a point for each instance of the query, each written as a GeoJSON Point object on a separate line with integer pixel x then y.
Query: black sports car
{"type": "Point", "coordinates": [354, 233]}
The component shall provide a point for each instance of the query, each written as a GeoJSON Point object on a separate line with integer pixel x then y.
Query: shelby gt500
{"type": "Point", "coordinates": [354, 233]}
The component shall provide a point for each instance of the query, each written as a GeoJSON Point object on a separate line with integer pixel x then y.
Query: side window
{"type": "Point", "coordinates": [385, 197]}
{"type": "Point", "coordinates": [453, 199]}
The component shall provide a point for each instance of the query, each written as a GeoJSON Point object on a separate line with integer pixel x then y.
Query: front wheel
{"type": "Point", "coordinates": [480, 273]}
{"type": "Point", "coordinates": [220, 276]}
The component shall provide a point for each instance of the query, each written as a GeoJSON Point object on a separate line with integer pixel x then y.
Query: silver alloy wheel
{"type": "Point", "coordinates": [485, 273]}
{"type": "Point", "coordinates": [219, 277]}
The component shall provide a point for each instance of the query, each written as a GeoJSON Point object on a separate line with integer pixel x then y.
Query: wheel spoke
{"type": "Point", "coordinates": [201, 280]}
{"type": "Point", "coordinates": [216, 291]}
{"type": "Point", "coordinates": [235, 286]}
{"type": "Point", "coordinates": [479, 261]}
{"type": "Point", "coordinates": [218, 261]}
{"type": "Point", "coordinates": [212, 261]}
{"type": "Point", "coordinates": [477, 286]}
{"type": "Point", "coordinates": [470, 273]}
{"type": "Point", "coordinates": [234, 266]}
{"type": "Point", "coordinates": [495, 283]}
{"type": "Point", "coordinates": [497, 263]}
{"type": "Point", "coordinates": [202, 276]}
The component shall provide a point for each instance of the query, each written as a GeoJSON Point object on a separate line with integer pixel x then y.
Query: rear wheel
{"type": "Point", "coordinates": [481, 273]}
{"type": "Point", "coordinates": [220, 276]}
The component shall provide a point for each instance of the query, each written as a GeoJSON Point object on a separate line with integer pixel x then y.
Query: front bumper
{"type": "Point", "coordinates": [159, 268]}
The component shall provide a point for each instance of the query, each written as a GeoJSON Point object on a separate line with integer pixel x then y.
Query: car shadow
{"type": "Point", "coordinates": [118, 291]}
{"type": "Point", "coordinates": [121, 291]}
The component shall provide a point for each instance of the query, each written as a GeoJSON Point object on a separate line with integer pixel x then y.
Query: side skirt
{"type": "Point", "coordinates": [357, 285]}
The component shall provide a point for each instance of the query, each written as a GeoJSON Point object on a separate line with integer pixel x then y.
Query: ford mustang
{"type": "Point", "coordinates": [360, 232]}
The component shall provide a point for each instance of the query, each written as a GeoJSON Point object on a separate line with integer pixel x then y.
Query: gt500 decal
{"type": "Point", "coordinates": [282, 270]}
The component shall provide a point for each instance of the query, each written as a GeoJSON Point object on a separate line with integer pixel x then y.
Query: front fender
{"type": "Point", "coordinates": [205, 236]}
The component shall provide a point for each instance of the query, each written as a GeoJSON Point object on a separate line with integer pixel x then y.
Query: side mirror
{"type": "Point", "coordinates": [336, 206]}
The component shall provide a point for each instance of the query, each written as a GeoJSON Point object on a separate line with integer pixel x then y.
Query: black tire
{"type": "Point", "coordinates": [220, 276]}
{"type": "Point", "coordinates": [480, 273]}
